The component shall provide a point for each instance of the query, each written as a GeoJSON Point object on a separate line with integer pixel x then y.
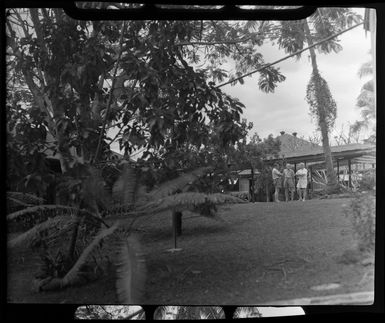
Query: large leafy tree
{"type": "Point", "coordinates": [77, 80]}
{"type": "Point", "coordinates": [294, 35]}
{"type": "Point", "coordinates": [250, 154]}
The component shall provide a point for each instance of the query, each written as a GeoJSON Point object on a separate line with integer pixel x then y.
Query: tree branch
{"type": "Point", "coordinates": [288, 56]}
{"type": "Point", "coordinates": [214, 43]}
{"type": "Point", "coordinates": [111, 93]}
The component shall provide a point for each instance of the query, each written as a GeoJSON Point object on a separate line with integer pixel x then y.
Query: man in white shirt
{"type": "Point", "coordinates": [276, 180]}
{"type": "Point", "coordinates": [302, 181]}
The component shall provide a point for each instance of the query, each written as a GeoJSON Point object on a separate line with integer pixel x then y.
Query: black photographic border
{"type": "Point", "coordinates": [66, 312]}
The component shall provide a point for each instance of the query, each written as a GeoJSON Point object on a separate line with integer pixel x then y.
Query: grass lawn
{"type": "Point", "coordinates": [259, 253]}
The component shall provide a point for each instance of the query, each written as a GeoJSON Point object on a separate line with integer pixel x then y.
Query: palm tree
{"type": "Point", "coordinates": [292, 36]}
{"type": "Point", "coordinates": [319, 96]}
{"type": "Point", "coordinates": [75, 240]}
{"type": "Point", "coordinates": [365, 100]}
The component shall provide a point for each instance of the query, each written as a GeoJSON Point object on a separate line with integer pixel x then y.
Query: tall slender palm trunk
{"type": "Point", "coordinates": [332, 183]}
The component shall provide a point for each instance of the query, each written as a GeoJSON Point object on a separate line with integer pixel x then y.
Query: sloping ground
{"type": "Point", "coordinates": [265, 252]}
{"type": "Point", "coordinates": [261, 253]}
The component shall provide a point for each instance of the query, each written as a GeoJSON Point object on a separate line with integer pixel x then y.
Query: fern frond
{"type": "Point", "coordinates": [191, 200]}
{"type": "Point", "coordinates": [130, 272]}
{"type": "Point", "coordinates": [38, 208]}
{"type": "Point", "coordinates": [73, 274]}
{"type": "Point", "coordinates": [29, 236]}
{"type": "Point", "coordinates": [178, 183]}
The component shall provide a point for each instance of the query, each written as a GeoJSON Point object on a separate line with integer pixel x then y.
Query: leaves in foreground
{"type": "Point", "coordinates": [177, 184]}
{"type": "Point", "coordinates": [190, 201]}
{"type": "Point", "coordinates": [130, 272]}
{"type": "Point", "coordinates": [74, 275]}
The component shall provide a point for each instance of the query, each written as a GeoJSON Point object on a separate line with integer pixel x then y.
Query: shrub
{"type": "Point", "coordinates": [362, 213]}
{"type": "Point", "coordinates": [242, 195]}
{"type": "Point", "coordinates": [368, 180]}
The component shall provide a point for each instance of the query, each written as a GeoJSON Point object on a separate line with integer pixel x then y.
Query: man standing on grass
{"type": "Point", "coordinates": [288, 182]}
{"type": "Point", "coordinates": [276, 180]}
{"type": "Point", "coordinates": [302, 181]}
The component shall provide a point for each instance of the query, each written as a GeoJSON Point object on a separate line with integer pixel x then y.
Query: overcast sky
{"type": "Point", "coordinates": [286, 108]}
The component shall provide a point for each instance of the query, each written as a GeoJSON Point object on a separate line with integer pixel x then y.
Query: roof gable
{"type": "Point", "coordinates": [291, 143]}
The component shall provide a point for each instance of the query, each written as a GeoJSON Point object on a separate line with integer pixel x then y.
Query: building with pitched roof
{"type": "Point", "coordinates": [295, 150]}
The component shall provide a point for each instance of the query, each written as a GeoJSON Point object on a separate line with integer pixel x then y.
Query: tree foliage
{"type": "Point", "coordinates": [320, 100]}
{"type": "Point", "coordinates": [153, 82]}
{"type": "Point", "coordinates": [366, 99]}
{"type": "Point", "coordinates": [324, 23]}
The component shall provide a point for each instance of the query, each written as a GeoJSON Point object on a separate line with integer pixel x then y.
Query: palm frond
{"type": "Point", "coordinates": [178, 183]}
{"type": "Point", "coordinates": [73, 274]}
{"type": "Point", "coordinates": [12, 203]}
{"type": "Point", "coordinates": [130, 272]}
{"type": "Point", "coordinates": [63, 222]}
{"type": "Point", "coordinates": [191, 201]}
{"type": "Point", "coordinates": [369, 86]}
{"type": "Point", "coordinates": [25, 198]}
{"type": "Point", "coordinates": [94, 191]}
{"type": "Point", "coordinates": [365, 69]}
{"type": "Point", "coordinates": [365, 98]}
{"type": "Point", "coordinates": [124, 188]}
{"type": "Point", "coordinates": [38, 208]}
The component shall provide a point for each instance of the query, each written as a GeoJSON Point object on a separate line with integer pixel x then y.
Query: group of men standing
{"type": "Point", "coordinates": [288, 177]}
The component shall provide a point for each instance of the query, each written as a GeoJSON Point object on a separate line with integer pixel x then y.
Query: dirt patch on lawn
{"type": "Point", "coordinates": [260, 253]}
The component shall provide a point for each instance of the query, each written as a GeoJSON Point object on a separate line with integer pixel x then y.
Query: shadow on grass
{"type": "Point", "coordinates": [163, 234]}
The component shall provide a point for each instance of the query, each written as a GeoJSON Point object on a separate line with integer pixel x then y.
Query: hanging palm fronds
{"type": "Point", "coordinates": [29, 237]}
{"type": "Point", "coordinates": [123, 190]}
{"type": "Point", "coordinates": [25, 198]}
{"type": "Point", "coordinates": [73, 274]}
{"type": "Point", "coordinates": [177, 184]}
{"type": "Point", "coordinates": [18, 200]}
{"type": "Point", "coordinates": [190, 201]}
{"type": "Point", "coordinates": [130, 272]}
{"type": "Point", "coordinates": [33, 210]}
{"type": "Point", "coordinates": [94, 191]}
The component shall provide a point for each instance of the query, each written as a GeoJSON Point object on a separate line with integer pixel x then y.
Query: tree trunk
{"type": "Point", "coordinates": [332, 184]}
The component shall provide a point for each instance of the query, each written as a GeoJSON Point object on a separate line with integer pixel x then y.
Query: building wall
{"type": "Point", "coordinates": [244, 184]}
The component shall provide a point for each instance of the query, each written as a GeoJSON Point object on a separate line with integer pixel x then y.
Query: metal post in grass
{"type": "Point", "coordinates": [177, 222]}
{"type": "Point", "coordinates": [176, 229]}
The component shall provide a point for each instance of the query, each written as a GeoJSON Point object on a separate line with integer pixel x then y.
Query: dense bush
{"type": "Point", "coordinates": [368, 180]}
{"type": "Point", "coordinates": [242, 195]}
{"type": "Point", "coordinates": [362, 213]}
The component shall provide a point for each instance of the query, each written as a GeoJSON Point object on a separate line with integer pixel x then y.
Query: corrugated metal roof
{"type": "Point", "coordinates": [248, 172]}
{"type": "Point", "coordinates": [334, 149]}
{"type": "Point", "coordinates": [290, 143]}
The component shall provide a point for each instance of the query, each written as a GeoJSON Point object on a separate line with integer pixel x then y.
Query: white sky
{"type": "Point", "coordinates": [286, 108]}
